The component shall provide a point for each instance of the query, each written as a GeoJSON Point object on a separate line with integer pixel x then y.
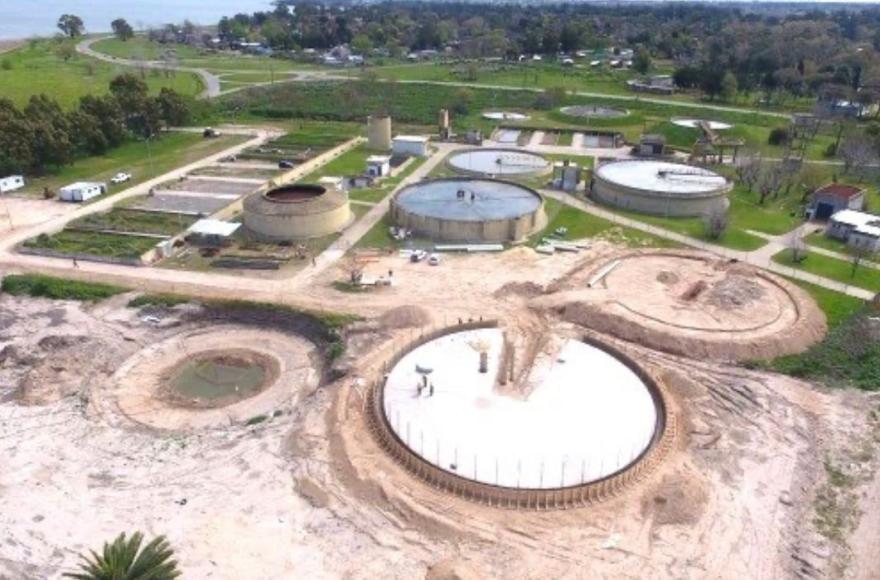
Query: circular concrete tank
{"type": "Point", "coordinates": [593, 112]}
{"type": "Point", "coordinates": [660, 188]}
{"type": "Point", "coordinates": [379, 133]}
{"type": "Point", "coordinates": [296, 212]}
{"type": "Point", "coordinates": [476, 210]}
{"type": "Point", "coordinates": [499, 163]}
{"type": "Point", "coordinates": [576, 424]}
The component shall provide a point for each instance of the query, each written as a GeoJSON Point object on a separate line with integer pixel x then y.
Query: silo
{"type": "Point", "coordinates": [379, 132]}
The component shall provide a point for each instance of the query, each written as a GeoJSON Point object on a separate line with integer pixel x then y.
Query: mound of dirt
{"type": "Point", "coordinates": [405, 317]}
{"type": "Point", "coordinates": [667, 277]}
{"type": "Point", "coordinates": [526, 289]}
{"type": "Point", "coordinates": [451, 569]}
{"type": "Point", "coordinates": [735, 291]}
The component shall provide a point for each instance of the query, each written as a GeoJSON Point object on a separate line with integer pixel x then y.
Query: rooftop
{"type": "Point", "coordinates": [840, 190]}
{"type": "Point", "coordinates": [209, 227]}
{"type": "Point", "coordinates": [413, 138]}
{"type": "Point", "coordinates": [862, 222]}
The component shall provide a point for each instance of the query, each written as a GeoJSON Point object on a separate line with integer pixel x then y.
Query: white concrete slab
{"type": "Point", "coordinates": [587, 417]}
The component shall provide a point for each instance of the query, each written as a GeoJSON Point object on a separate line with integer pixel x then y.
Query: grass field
{"type": "Point", "coordinates": [134, 221]}
{"type": "Point", "coordinates": [94, 244]}
{"type": "Point", "coordinates": [57, 288]}
{"type": "Point", "coordinates": [353, 162]}
{"type": "Point", "coordinates": [36, 68]}
{"type": "Point", "coordinates": [171, 150]}
{"type": "Point", "coordinates": [834, 269]}
{"type": "Point", "coordinates": [583, 225]}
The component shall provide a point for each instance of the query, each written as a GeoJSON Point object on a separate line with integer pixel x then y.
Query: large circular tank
{"type": "Point", "coordinates": [379, 132]}
{"type": "Point", "coordinates": [499, 163]}
{"type": "Point", "coordinates": [583, 415]}
{"type": "Point", "coordinates": [593, 112]}
{"type": "Point", "coordinates": [469, 210]}
{"type": "Point", "coordinates": [296, 212]}
{"type": "Point", "coordinates": [660, 188]}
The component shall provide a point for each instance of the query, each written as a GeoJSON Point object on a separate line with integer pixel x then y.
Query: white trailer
{"type": "Point", "coordinates": [81, 191]}
{"type": "Point", "coordinates": [11, 183]}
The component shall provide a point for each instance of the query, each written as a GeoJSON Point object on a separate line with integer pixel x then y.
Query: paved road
{"type": "Point", "coordinates": [210, 80]}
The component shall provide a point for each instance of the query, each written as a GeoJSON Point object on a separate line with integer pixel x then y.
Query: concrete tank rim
{"type": "Point", "coordinates": [640, 186]}
{"type": "Point", "coordinates": [546, 168]}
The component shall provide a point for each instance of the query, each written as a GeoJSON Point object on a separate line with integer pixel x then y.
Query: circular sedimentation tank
{"type": "Point", "coordinates": [593, 112]}
{"type": "Point", "coordinates": [296, 212]}
{"type": "Point", "coordinates": [213, 376]}
{"type": "Point", "coordinates": [694, 123]}
{"type": "Point", "coordinates": [660, 188]}
{"type": "Point", "coordinates": [499, 163]}
{"type": "Point", "coordinates": [692, 304]}
{"type": "Point", "coordinates": [505, 116]}
{"type": "Point", "coordinates": [477, 210]}
{"type": "Point", "coordinates": [575, 428]}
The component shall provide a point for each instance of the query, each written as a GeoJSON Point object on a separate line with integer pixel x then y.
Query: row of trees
{"type": "Point", "coordinates": [717, 48]}
{"type": "Point", "coordinates": [42, 135]}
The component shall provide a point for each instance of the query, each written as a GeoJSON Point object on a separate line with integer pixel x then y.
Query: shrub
{"type": "Point", "coordinates": [57, 288]}
{"type": "Point", "coordinates": [778, 136]}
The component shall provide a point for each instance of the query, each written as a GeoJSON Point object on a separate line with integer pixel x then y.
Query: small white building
{"type": "Point", "coordinates": [81, 191]}
{"type": "Point", "coordinates": [410, 145]}
{"type": "Point", "coordinates": [212, 232]}
{"type": "Point", "coordinates": [11, 183]}
{"type": "Point", "coordinates": [858, 229]}
{"type": "Point", "coordinates": [378, 165]}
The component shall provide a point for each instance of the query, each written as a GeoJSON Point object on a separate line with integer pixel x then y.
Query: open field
{"type": "Point", "coordinates": [86, 243]}
{"type": "Point", "coordinates": [171, 150]}
{"type": "Point", "coordinates": [134, 221]}
{"type": "Point", "coordinates": [834, 269]}
{"type": "Point", "coordinates": [37, 68]}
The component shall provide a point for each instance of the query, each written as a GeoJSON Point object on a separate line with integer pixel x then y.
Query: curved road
{"type": "Point", "coordinates": [212, 83]}
{"type": "Point", "coordinates": [210, 80]}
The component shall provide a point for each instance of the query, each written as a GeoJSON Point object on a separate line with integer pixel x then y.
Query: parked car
{"type": "Point", "coordinates": [210, 133]}
{"type": "Point", "coordinates": [285, 164]}
{"type": "Point", "coordinates": [121, 177]}
{"type": "Point", "coordinates": [434, 260]}
{"type": "Point", "coordinates": [418, 256]}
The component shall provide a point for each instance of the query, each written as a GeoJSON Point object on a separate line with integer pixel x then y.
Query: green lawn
{"type": "Point", "coordinates": [94, 244]}
{"type": "Point", "coordinates": [834, 269]}
{"type": "Point", "coordinates": [134, 221]}
{"type": "Point", "coordinates": [353, 162]}
{"type": "Point", "coordinates": [583, 225]}
{"type": "Point", "coordinates": [836, 306]}
{"type": "Point", "coordinates": [171, 150]}
{"type": "Point", "coordinates": [36, 68]}
{"type": "Point", "coordinates": [820, 240]}
{"type": "Point", "coordinates": [57, 288]}
{"type": "Point", "coordinates": [734, 238]}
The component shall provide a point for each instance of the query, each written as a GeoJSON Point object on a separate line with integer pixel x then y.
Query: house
{"type": "Point", "coordinates": [652, 144]}
{"type": "Point", "coordinates": [81, 191]}
{"type": "Point", "coordinates": [834, 197]}
{"type": "Point", "coordinates": [11, 183]}
{"type": "Point", "coordinates": [858, 229]}
{"type": "Point", "coordinates": [378, 165]}
{"type": "Point", "coordinates": [410, 145]}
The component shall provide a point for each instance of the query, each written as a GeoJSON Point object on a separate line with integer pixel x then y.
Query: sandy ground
{"type": "Point", "coordinates": [20, 212]}
{"type": "Point", "coordinates": [752, 489]}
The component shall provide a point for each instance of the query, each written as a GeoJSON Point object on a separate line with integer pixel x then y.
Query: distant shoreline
{"type": "Point", "coordinates": [7, 44]}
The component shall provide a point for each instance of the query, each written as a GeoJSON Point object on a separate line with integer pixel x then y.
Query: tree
{"type": "Point", "coordinates": [107, 112]}
{"type": "Point", "coordinates": [642, 61]}
{"type": "Point", "coordinates": [857, 152]}
{"type": "Point", "coordinates": [748, 170]}
{"type": "Point", "coordinates": [729, 86]}
{"type": "Point", "coordinates": [16, 140]}
{"type": "Point", "coordinates": [361, 44]}
{"type": "Point", "coordinates": [125, 560]}
{"type": "Point", "coordinates": [122, 29]}
{"type": "Point", "coordinates": [797, 246]}
{"type": "Point", "coordinates": [50, 139]}
{"type": "Point", "coordinates": [71, 25]}
{"type": "Point", "coordinates": [175, 110]}
{"type": "Point", "coordinates": [715, 223]}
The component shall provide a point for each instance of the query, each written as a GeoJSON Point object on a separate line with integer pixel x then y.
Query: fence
{"type": "Point", "coordinates": [513, 498]}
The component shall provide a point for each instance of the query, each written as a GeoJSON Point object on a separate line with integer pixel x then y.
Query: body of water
{"type": "Point", "coordinates": [26, 18]}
